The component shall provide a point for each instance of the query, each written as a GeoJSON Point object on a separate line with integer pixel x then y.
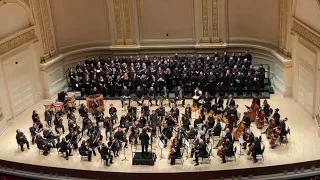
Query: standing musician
{"type": "Point", "coordinates": [185, 122]}
{"type": "Point", "coordinates": [166, 134]}
{"type": "Point", "coordinates": [84, 150]}
{"type": "Point", "coordinates": [175, 152]}
{"type": "Point", "coordinates": [153, 96]}
{"type": "Point", "coordinates": [144, 138]}
{"type": "Point", "coordinates": [179, 96]}
{"type": "Point", "coordinates": [106, 154]}
{"type": "Point", "coordinates": [276, 116]}
{"type": "Point", "coordinates": [153, 122]}
{"type": "Point", "coordinates": [218, 104]}
{"type": "Point", "coordinates": [21, 140]}
{"type": "Point", "coordinates": [48, 117]}
{"type": "Point", "coordinates": [113, 113]}
{"type": "Point", "coordinates": [248, 138]}
{"type": "Point", "coordinates": [83, 111]}
{"type": "Point", "coordinates": [119, 135]}
{"type": "Point", "coordinates": [230, 103]}
{"type": "Point", "coordinates": [71, 116]}
{"type": "Point", "coordinates": [134, 133]}
{"type": "Point", "coordinates": [114, 146]}
{"type": "Point", "coordinates": [64, 147]}
{"type": "Point", "coordinates": [282, 127]}
{"type": "Point", "coordinates": [58, 123]}
{"type": "Point", "coordinates": [256, 149]}
{"type": "Point", "coordinates": [188, 111]}
{"type": "Point", "coordinates": [266, 109]}
{"type": "Point", "coordinates": [33, 132]}
{"type": "Point", "coordinates": [48, 134]}
{"type": "Point", "coordinates": [201, 151]}
{"type": "Point", "coordinates": [207, 103]}
{"type": "Point", "coordinates": [256, 100]}
{"type": "Point", "coordinates": [197, 96]}
{"type": "Point", "coordinates": [107, 123]}
{"type": "Point", "coordinates": [174, 111]}
{"type": "Point", "coordinates": [229, 151]}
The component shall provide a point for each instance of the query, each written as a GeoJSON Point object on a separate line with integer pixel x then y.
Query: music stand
{"type": "Point", "coordinates": [241, 141]}
{"type": "Point", "coordinates": [161, 146]}
{"type": "Point", "coordinates": [187, 145]}
{"type": "Point", "coordinates": [124, 151]}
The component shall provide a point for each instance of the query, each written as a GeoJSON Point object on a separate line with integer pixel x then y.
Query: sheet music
{"type": "Point", "coordinates": [241, 141]}
{"type": "Point", "coordinates": [123, 144]}
{"type": "Point", "coordinates": [187, 144]}
{"type": "Point", "coordinates": [161, 145]}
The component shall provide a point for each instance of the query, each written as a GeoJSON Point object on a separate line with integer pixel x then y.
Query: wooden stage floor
{"type": "Point", "coordinates": [303, 145]}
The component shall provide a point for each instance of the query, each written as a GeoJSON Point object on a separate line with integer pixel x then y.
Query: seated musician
{"type": "Point", "coordinates": [139, 94]}
{"type": "Point", "coordinates": [125, 95]}
{"type": "Point", "coordinates": [113, 113]}
{"type": "Point", "coordinates": [185, 122]}
{"type": "Point", "coordinates": [35, 116]}
{"type": "Point", "coordinates": [119, 135]}
{"type": "Point", "coordinates": [266, 109]}
{"type": "Point", "coordinates": [42, 144]}
{"type": "Point", "coordinates": [256, 149]}
{"type": "Point", "coordinates": [179, 96]}
{"type": "Point", "coordinates": [94, 92]}
{"type": "Point", "coordinates": [48, 134]}
{"type": "Point", "coordinates": [217, 129]}
{"type": "Point", "coordinates": [124, 123]}
{"type": "Point", "coordinates": [166, 134]}
{"type": "Point", "coordinates": [207, 103]}
{"type": "Point", "coordinates": [83, 111]}
{"type": "Point", "coordinates": [106, 154]}
{"type": "Point", "coordinates": [229, 135]}
{"type": "Point", "coordinates": [142, 121]}
{"type": "Point", "coordinates": [248, 139]}
{"type": "Point", "coordinates": [230, 103]}
{"type": "Point", "coordinates": [192, 133]}
{"type": "Point", "coordinates": [198, 121]}
{"type": "Point", "coordinates": [84, 150]}
{"type": "Point", "coordinates": [145, 110]}
{"type": "Point", "coordinates": [276, 116]}
{"type": "Point", "coordinates": [64, 147]}
{"type": "Point", "coordinates": [33, 132]}
{"type": "Point", "coordinates": [201, 151]}
{"type": "Point", "coordinates": [71, 116]}
{"type": "Point", "coordinates": [176, 153]}
{"type": "Point", "coordinates": [229, 152]}
{"type": "Point", "coordinates": [152, 96]}
{"type": "Point", "coordinates": [174, 111]}
{"type": "Point", "coordinates": [73, 139]}
{"type": "Point", "coordinates": [21, 140]}
{"type": "Point", "coordinates": [48, 117]}
{"type": "Point", "coordinates": [218, 104]}
{"type": "Point", "coordinates": [188, 111]}
{"type": "Point", "coordinates": [247, 120]}
{"type": "Point", "coordinates": [98, 115]}
{"type": "Point", "coordinates": [93, 142]}
{"type": "Point", "coordinates": [256, 100]}
{"type": "Point", "coordinates": [62, 96]}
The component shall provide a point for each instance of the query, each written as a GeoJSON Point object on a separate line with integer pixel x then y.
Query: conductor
{"type": "Point", "coordinates": [144, 138]}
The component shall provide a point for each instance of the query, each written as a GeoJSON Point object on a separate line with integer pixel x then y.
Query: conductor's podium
{"type": "Point", "coordinates": [90, 99]}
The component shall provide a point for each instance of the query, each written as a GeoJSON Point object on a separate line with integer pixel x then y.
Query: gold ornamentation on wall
{"type": "Point", "coordinates": [17, 41]}
{"type": "Point", "coordinates": [215, 18]}
{"type": "Point", "coordinates": [127, 19]}
{"type": "Point", "coordinates": [46, 24]}
{"type": "Point", "coordinates": [117, 14]}
{"type": "Point", "coordinates": [283, 26]}
{"type": "Point", "coordinates": [205, 25]}
{"type": "Point", "coordinates": [27, 2]}
{"type": "Point", "coordinates": [306, 33]}
{"type": "Point", "coordinates": [40, 22]}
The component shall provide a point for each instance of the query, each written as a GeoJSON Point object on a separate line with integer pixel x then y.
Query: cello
{"type": "Point", "coordinates": [275, 137]}
{"type": "Point", "coordinates": [239, 130]}
{"type": "Point", "coordinates": [272, 124]}
{"type": "Point", "coordinates": [222, 150]}
{"type": "Point", "coordinates": [252, 111]}
{"type": "Point", "coordinates": [260, 119]}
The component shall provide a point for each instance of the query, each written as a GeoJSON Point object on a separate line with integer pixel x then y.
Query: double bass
{"type": "Point", "coordinates": [239, 130]}
{"type": "Point", "coordinates": [260, 119]}
{"type": "Point", "coordinates": [252, 111]}
{"type": "Point", "coordinates": [173, 148]}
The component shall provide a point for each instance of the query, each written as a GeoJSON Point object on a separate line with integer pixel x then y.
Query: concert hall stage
{"type": "Point", "coordinates": [150, 159]}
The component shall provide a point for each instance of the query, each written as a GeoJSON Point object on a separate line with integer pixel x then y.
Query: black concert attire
{"type": "Point", "coordinates": [175, 155]}
{"type": "Point", "coordinates": [283, 130]}
{"type": "Point", "coordinates": [207, 104]}
{"type": "Point", "coordinates": [256, 150]}
{"type": "Point", "coordinates": [218, 104]}
{"type": "Point", "coordinates": [276, 117]}
{"type": "Point", "coordinates": [201, 151]}
{"type": "Point", "coordinates": [64, 147]}
{"type": "Point", "coordinates": [249, 82]}
{"type": "Point", "coordinates": [229, 152]}
{"type": "Point", "coordinates": [144, 138]}
{"type": "Point", "coordinates": [48, 117]}
{"type": "Point", "coordinates": [153, 123]}
{"type": "Point", "coordinates": [185, 123]}
{"type": "Point", "coordinates": [266, 109]}
{"type": "Point", "coordinates": [139, 94]}
{"type": "Point", "coordinates": [33, 133]}
{"type": "Point", "coordinates": [165, 135]}
{"type": "Point", "coordinates": [248, 141]}
{"type": "Point", "coordinates": [74, 140]}
{"type": "Point", "coordinates": [42, 144]}
{"type": "Point", "coordinates": [106, 155]}
{"type": "Point", "coordinates": [113, 114]}
{"type": "Point", "coordinates": [152, 96]}
{"type": "Point", "coordinates": [85, 151]}
{"type": "Point", "coordinates": [179, 96]}
{"type": "Point", "coordinates": [21, 140]}
{"type": "Point", "coordinates": [217, 129]}
{"type": "Point", "coordinates": [119, 135]}
{"type": "Point", "coordinates": [62, 96]}
{"type": "Point", "coordinates": [50, 137]}
{"type": "Point", "coordinates": [247, 121]}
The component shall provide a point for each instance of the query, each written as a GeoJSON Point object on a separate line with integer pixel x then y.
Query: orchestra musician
{"type": "Point", "coordinates": [42, 144]}
{"type": "Point", "coordinates": [106, 154]}
{"type": "Point", "coordinates": [48, 134]}
{"type": "Point", "coordinates": [179, 96]}
{"type": "Point", "coordinates": [248, 139]}
{"type": "Point", "coordinates": [83, 111]}
{"type": "Point", "coordinates": [33, 132]}
{"type": "Point", "coordinates": [256, 149]}
{"type": "Point", "coordinates": [191, 134]}
{"type": "Point", "coordinates": [144, 138]}
{"type": "Point", "coordinates": [62, 96]}
{"type": "Point", "coordinates": [230, 102]}
{"type": "Point", "coordinates": [145, 110]}
{"type": "Point", "coordinates": [175, 153]}
{"type": "Point", "coordinates": [119, 135]}
{"type": "Point", "coordinates": [276, 116]}
{"type": "Point", "coordinates": [48, 117]}
{"type": "Point", "coordinates": [282, 127]}
{"type": "Point", "coordinates": [247, 120]}
{"type": "Point", "coordinates": [174, 111]}
{"type": "Point", "coordinates": [201, 151]}
{"type": "Point", "coordinates": [71, 116]}
{"type": "Point", "coordinates": [134, 133]}
{"type": "Point", "coordinates": [142, 121]}
{"type": "Point", "coordinates": [166, 134]}
{"type": "Point", "coordinates": [188, 111]}
{"type": "Point", "coordinates": [94, 104]}
{"type": "Point", "coordinates": [113, 113]}
{"type": "Point", "coordinates": [73, 139]}
{"type": "Point", "coordinates": [197, 96]}
{"type": "Point", "coordinates": [207, 102]}
{"type": "Point", "coordinates": [228, 136]}
{"type": "Point", "coordinates": [94, 92]}
{"type": "Point", "coordinates": [153, 122]}
{"type": "Point", "coordinates": [64, 147]}
{"type": "Point", "coordinates": [218, 104]}
{"type": "Point", "coordinates": [139, 95]}
{"type": "Point", "coordinates": [107, 123]}
{"type": "Point", "coordinates": [21, 140]}
{"type": "Point", "coordinates": [84, 150]}
{"type": "Point", "coordinates": [152, 96]}
{"type": "Point", "coordinates": [229, 151]}
{"type": "Point", "coordinates": [256, 100]}
{"type": "Point", "coordinates": [217, 129]}
{"type": "Point", "coordinates": [185, 122]}
{"type": "Point", "coordinates": [114, 146]}
{"type": "Point", "coordinates": [58, 124]}
{"type": "Point", "coordinates": [266, 109]}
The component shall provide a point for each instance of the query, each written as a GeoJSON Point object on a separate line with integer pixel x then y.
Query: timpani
{"type": "Point", "coordinates": [48, 105]}
{"type": "Point", "coordinates": [71, 96]}
{"type": "Point", "coordinates": [58, 106]}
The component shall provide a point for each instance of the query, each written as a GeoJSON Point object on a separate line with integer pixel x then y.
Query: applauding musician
{"type": "Point", "coordinates": [21, 140]}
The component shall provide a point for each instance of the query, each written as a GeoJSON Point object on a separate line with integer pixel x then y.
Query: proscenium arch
{"type": "Point", "coordinates": [23, 4]}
